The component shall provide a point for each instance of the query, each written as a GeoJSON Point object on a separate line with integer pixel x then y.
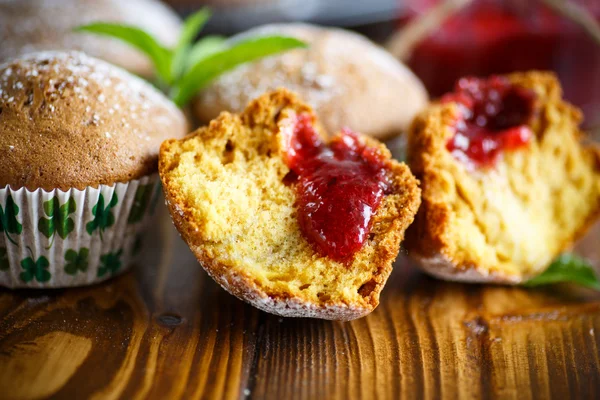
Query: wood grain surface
{"type": "Point", "coordinates": [166, 331]}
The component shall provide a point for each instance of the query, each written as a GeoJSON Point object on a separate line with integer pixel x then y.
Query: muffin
{"type": "Point", "coordinates": [284, 219]}
{"type": "Point", "coordinates": [30, 25]}
{"type": "Point", "coordinates": [79, 142]}
{"type": "Point", "coordinates": [509, 181]}
{"type": "Point", "coordinates": [347, 79]}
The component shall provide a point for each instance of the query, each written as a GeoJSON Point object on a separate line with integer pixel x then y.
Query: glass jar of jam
{"type": "Point", "coordinates": [499, 36]}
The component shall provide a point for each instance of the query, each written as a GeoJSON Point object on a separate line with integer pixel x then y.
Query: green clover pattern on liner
{"type": "Point", "coordinates": [8, 219]}
{"type": "Point", "coordinates": [110, 263]}
{"type": "Point", "coordinates": [75, 261]}
{"type": "Point", "coordinates": [35, 270]}
{"type": "Point", "coordinates": [103, 216]}
{"type": "Point", "coordinates": [57, 220]}
{"type": "Point", "coordinates": [141, 201]}
{"type": "Point", "coordinates": [4, 265]}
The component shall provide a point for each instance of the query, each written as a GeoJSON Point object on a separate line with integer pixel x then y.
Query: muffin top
{"type": "Point", "coordinates": [70, 120]}
{"type": "Point", "coordinates": [347, 79]}
{"type": "Point", "coordinates": [31, 25]}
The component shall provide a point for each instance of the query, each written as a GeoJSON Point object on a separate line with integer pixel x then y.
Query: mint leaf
{"type": "Point", "coordinates": [237, 53]}
{"type": "Point", "coordinates": [191, 27]}
{"type": "Point", "coordinates": [567, 268]}
{"type": "Point", "coordinates": [205, 47]}
{"type": "Point", "coordinates": [160, 56]}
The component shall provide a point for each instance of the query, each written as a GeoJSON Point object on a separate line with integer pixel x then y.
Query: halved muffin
{"type": "Point", "coordinates": [245, 194]}
{"type": "Point", "coordinates": [508, 182]}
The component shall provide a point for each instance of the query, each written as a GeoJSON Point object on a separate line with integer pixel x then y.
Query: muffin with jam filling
{"type": "Point", "coordinates": [508, 179]}
{"type": "Point", "coordinates": [285, 219]}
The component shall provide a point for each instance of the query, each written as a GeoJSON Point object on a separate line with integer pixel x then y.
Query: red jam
{"type": "Point", "coordinates": [339, 185]}
{"type": "Point", "coordinates": [494, 117]}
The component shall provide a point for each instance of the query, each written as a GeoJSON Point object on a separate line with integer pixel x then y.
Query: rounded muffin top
{"type": "Point", "coordinates": [70, 120]}
{"type": "Point", "coordinates": [31, 25]}
{"type": "Point", "coordinates": [347, 79]}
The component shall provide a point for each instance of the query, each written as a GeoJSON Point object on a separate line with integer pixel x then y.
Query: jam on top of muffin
{"type": "Point", "coordinates": [340, 184]}
{"type": "Point", "coordinates": [494, 118]}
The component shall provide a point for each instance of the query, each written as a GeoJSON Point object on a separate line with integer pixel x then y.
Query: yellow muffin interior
{"type": "Point", "coordinates": [227, 181]}
{"type": "Point", "coordinates": [515, 218]}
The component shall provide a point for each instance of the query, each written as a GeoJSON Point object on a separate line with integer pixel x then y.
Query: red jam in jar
{"type": "Point", "coordinates": [486, 37]}
{"type": "Point", "coordinates": [494, 117]}
{"type": "Point", "coordinates": [339, 186]}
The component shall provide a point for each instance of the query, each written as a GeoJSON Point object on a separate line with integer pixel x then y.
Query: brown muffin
{"type": "Point", "coordinates": [347, 79]}
{"type": "Point", "coordinates": [228, 190]}
{"type": "Point", "coordinates": [504, 223]}
{"type": "Point", "coordinates": [68, 120]}
{"type": "Point", "coordinates": [30, 25]}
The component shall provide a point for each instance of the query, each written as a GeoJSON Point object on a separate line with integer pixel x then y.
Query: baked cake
{"type": "Point", "coordinates": [509, 181]}
{"type": "Point", "coordinates": [68, 120]}
{"type": "Point", "coordinates": [281, 218]}
{"type": "Point", "coordinates": [347, 79]}
{"type": "Point", "coordinates": [28, 26]}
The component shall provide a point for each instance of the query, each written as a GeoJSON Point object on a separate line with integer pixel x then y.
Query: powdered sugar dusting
{"type": "Point", "coordinates": [238, 87]}
{"type": "Point", "coordinates": [342, 75]}
{"type": "Point", "coordinates": [76, 75]}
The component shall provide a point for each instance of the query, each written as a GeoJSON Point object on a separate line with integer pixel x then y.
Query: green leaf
{"type": "Point", "coordinates": [46, 227]}
{"type": "Point", "coordinates": [191, 27]}
{"type": "Point", "coordinates": [140, 203]}
{"type": "Point", "coordinates": [76, 261]}
{"type": "Point", "coordinates": [41, 272]}
{"type": "Point", "coordinates": [4, 264]}
{"type": "Point", "coordinates": [59, 221]}
{"type": "Point", "coordinates": [237, 53]}
{"type": "Point", "coordinates": [113, 200]}
{"type": "Point", "coordinates": [26, 276]}
{"type": "Point", "coordinates": [8, 219]}
{"type": "Point", "coordinates": [110, 263]}
{"type": "Point", "coordinates": [37, 270]}
{"type": "Point", "coordinates": [67, 226]}
{"type": "Point", "coordinates": [205, 47]}
{"type": "Point", "coordinates": [71, 255]}
{"type": "Point", "coordinates": [103, 217]}
{"type": "Point", "coordinates": [135, 37]}
{"type": "Point", "coordinates": [567, 268]}
{"type": "Point", "coordinates": [50, 206]}
{"type": "Point", "coordinates": [72, 206]}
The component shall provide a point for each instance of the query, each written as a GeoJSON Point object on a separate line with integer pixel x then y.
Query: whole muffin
{"type": "Point", "coordinates": [32, 25]}
{"type": "Point", "coordinates": [79, 142]}
{"type": "Point", "coordinates": [347, 79]}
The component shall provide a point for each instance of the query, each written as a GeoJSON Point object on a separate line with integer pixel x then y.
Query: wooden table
{"type": "Point", "coordinates": [166, 331]}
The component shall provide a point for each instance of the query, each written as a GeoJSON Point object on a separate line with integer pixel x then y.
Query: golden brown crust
{"type": "Point", "coordinates": [348, 80]}
{"type": "Point", "coordinates": [433, 238]}
{"type": "Point", "coordinates": [270, 113]}
{"type": "Point", "coordinates": [69, 120]}
{"type": "Point", "coordinates": [28, 26]}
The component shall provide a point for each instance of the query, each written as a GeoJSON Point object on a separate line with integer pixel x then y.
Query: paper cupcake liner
{"type": "Point", "coordinates": [73, 238]}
